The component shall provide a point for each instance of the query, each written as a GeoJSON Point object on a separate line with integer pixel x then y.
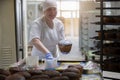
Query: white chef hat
{"type": "Point", "coordinates": [49, 3]}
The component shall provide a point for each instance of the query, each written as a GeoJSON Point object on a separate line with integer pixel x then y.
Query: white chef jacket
{"type": "Point", "coordinates": [49, 37]}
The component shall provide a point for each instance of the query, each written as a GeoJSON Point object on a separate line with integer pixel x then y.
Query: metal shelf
{"type": "Point", "coordinates": [107, 8]}
{"type": "Point", "coordinates": [108, 0]}
{"type": "Point", "coordinates": [105, 20]}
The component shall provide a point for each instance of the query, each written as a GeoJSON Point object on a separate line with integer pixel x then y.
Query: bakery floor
{"type": "Point", "coordinates": [76, 55]}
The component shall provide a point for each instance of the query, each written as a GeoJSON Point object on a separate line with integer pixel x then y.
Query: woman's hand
{"type": "Point", "coordinates": [49, 56]}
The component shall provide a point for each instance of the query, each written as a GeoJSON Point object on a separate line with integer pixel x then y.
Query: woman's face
{"type": "Point", "coordinates": [50, 13]}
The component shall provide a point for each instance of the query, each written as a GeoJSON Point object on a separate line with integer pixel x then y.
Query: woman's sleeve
{"type": "Point", "coordinates": [34, 32]}
{"type": "Point", "coordinates": [61, 31]}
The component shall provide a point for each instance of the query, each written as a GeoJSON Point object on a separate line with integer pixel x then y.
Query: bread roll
{"type": "Point", "coordinates": [4, 72]}
{"type": "Point", "coordinates": [65, 46]}
{"type": "Point", "coordinates": [71, 75]}
{"type": "Point", "coordinates": [40, 76]}
{"type": "Point", "coordinates": [78, 67]}
{"type": "Point", "coordinates": [52, 73]}
{"type": "Point", "coordinates": [15, 69]}
{"type": "Point", "coordinates": [2, 77]}
{"type": "Point", "coordinates": [25, 74]}
{"type": "Point", "coordinates": [40, 79]}
{"type": "Point", "coordinates": [72, 69]}
{"type": "Point", "coordinates": [35, 72]}
{"type": "Point", "coordinates": [60, 78]}
{"type": "Point", "coordinates": [15, 77]}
